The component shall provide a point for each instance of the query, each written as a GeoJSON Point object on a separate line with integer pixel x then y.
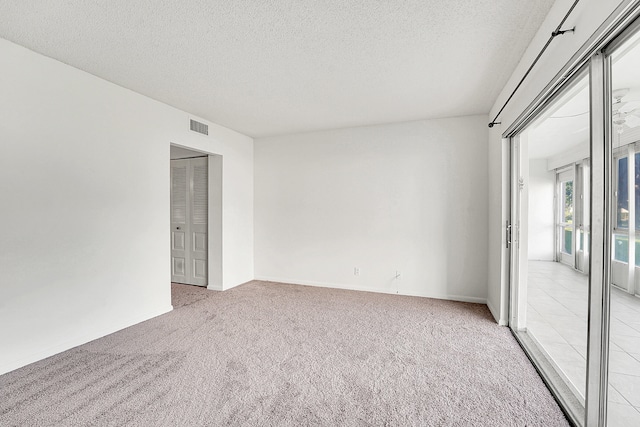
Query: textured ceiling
{"type": "Point", "coordinates": [284, 66]}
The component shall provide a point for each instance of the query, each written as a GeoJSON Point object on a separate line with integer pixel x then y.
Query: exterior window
{"type": "Point", "coordinates": [621, 248]}
{"type": "Point", "coordinates": [621, 239]}
{"type": "Point", "coordinates": [622, 202]}
{"type": "Point", "coordinates": [567, 216]}
{"type": "Point", "coordinates": [637, 190]}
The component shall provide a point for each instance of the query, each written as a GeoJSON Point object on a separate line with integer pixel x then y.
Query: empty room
{"type": "Point", "coordinates": [404, 213]}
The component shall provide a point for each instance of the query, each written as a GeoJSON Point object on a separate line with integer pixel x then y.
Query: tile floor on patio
{"type": "Point", "coordinates": [557, 320]}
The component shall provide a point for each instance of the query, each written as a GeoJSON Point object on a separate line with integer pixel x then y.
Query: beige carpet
{"type": "Point", "coordinates": [273, 354]}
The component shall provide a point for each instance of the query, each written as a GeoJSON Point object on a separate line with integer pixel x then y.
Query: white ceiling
{"type": "Point", "coordinates": [277, 67]}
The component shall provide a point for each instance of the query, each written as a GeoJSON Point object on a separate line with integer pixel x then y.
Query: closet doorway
{"type": "Point", "coordinates": [189, 205]}
{"type": "Point", "coordinates": [195, 218]}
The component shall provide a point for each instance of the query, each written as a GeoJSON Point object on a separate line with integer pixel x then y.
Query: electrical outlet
{"type": "Point", "coordinates": [356, 271]}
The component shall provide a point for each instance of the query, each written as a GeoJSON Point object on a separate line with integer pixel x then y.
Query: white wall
{"type": "Point", "coordinates": [84, 184]}
{"type": "Point", "coordinates": [410, 197]}
{"type": "Point", "coordinates": [541, 215]}
{"type": "Point", "coordinates": [497, 253]}
{"type": "Point", "coordinates": [587, 17]}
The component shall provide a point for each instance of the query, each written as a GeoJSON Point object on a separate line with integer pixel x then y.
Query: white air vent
{"type": "Point", "coordinates": [199, 127]}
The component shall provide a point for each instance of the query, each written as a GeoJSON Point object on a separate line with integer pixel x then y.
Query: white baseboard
{"type": "Point", "coordinates": [79, 340]}
{"type": "Point", "coordinates": [226, 288]}
{"type": "Point", "coordinates": [496, 315]}
{"type": "Point", "coordinates": [461, 298]}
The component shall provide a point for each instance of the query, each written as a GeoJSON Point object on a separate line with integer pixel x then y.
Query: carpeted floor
{"type": "Point", "coordinates": [286, 355]}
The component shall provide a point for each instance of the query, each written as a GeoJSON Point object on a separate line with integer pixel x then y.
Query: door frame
{"type": "Point", "coordinates": [573, 408]}
{"type": "Point", "coordinates": [518, 232]}
{"type": "Point", "coordinates": [596, 56]}
{"type": "Point", "coordinates": [190, 229]}
{"type": "Point", "coordinates": [518, 286]}
{"type": "Point", "coordinates": [582, 219]}
{"type": "Point", "coordinates": [215, 211]}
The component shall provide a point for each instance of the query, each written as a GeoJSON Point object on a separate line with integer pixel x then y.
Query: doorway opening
{"type": "Point", "coordinates": [195, 217]}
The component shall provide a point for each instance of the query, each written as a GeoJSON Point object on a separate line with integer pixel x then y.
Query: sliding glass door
{"type": "Point", "coordinates": [575, 257]}
{"type": "Point", "coordinates": [551, 287]}
{"type": "Point", "coordinates": [623, 400]}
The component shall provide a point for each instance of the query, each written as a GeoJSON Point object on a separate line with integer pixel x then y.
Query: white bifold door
{"type": "Point", "coordinates": [189, 211]}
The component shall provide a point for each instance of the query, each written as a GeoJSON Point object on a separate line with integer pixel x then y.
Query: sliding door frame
{"type": "Point", "coordinates": [519, 213]}
{"type": "Point", "coordinates": [583, 206]}
{"type": "Point", "coordinates": [600, 242]}
{"type": "Point", "coordinates": [596, 55]}
{"type": "Point", "coordinates": [600, 214]}
{"type": "Point", "coordinates": [570, 404]}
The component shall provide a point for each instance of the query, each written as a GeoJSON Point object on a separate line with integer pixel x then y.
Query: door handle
{"type": "Point", "coordinates": [177, 228]}
{"type": "Point", "coordinates": [508, 235]}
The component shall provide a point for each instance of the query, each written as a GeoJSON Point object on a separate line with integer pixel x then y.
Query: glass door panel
{"type": "Point", "coordinates": [623, 400]}
{"type": "Point", "coordinates": [575, 216]}
{"type": "Point", "coordinates": [549, 288]}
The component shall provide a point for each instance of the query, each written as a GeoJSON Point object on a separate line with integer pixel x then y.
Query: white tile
{"type": "Point", "coordinates": [550, 308]}
{"type": "Point", "coordinates": [624, 314]}
{"type": "Point", "coordinates": [633, 324]}
{"type": "Point", "coordinates": [562, 292]}
{"type": "Point", "coordinates": [570, 362]}
{"type": "Point", "coordinates": [577, 377]}
{"type": "Point", "coordinates": [628, 344]}
{"type": "Point", "coordinates": [622, 363]}
{"type": "Point", "coordinates": [577, 307]}
{"type": "Point", "coordinates": [628, 386]}
{"type": "Point", "coordinates": [573, 337]}
{"type": "Point", "coordinates": [582, 349]}
{"type": "Point", "coordinates": [620, 328]}
{"type": "Point", "coordinates": [614, 396]}
{"type": "Point", "coordinates": [544, 333]}
{"type": "Point", "coordinates": [572, 323]}
{"type": "Point", "coordinates": [557, 319]}
{"type": "Point", "coordinates": [631, 304]}
{"type": "Point", "coordinates": [614, 347]}
{"type": "Point", "coordinates": [621, 415]}
{"type": "Point", "coordinates": [564, 353]}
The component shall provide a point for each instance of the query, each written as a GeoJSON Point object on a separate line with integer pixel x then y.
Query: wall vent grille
{"type": "Point", "coordinates": [199, 127]}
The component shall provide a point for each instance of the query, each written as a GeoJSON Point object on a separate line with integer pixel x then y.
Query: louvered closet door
{"type": "Point", "coordinates": [179, 225]}
{"type": "Point", "coordinates": [198, 215]}
{"type": "Point", "coordinates": [189, 210]}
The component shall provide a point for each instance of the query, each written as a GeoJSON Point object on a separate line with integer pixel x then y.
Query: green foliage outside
{"type": "Point", "coordinates": [568, 202]}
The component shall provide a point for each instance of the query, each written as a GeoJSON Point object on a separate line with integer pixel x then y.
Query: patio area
{"type": "Point", "coordinates": [557, 320]}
